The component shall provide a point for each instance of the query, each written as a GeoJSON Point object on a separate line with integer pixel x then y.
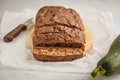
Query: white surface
{"type": "Point", "coordinates": [112, 6]}
{"type": "Point", "coordinates": [16, 54]}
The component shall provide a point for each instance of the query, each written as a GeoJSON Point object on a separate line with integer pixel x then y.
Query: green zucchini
{"type": "Point", "coordinates": [110, 64]}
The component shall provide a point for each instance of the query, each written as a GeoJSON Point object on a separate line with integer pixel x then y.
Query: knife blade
{"type": "Point", "coordinates": [16, 31]}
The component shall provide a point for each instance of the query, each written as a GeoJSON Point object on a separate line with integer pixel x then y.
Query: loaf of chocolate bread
{"type": "Point", "coordinates": [58, 35]}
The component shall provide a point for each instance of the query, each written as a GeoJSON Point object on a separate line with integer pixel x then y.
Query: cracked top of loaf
{"type": "Point", "coordinates": [57, 26]}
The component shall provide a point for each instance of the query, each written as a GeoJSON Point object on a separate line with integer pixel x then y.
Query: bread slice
{"type": "Point", "coordinates": [57, 53]}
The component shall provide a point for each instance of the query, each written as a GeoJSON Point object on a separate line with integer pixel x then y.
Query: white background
{"type": "Point", "coordinates": [7, 73]}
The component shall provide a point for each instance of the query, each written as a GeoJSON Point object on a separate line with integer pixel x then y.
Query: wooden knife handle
{"type": "Point", "coordinates": [14, 33]}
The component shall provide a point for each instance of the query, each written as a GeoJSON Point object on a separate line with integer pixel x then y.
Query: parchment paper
{"type": "Point", "coordinates": [15, 54]}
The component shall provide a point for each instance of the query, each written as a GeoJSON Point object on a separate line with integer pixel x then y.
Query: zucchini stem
{"type": "Point", "coordinates": [98, 71]}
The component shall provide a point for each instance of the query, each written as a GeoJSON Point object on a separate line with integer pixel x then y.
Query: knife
{"type": "Point", "coordinates": [16, 31]}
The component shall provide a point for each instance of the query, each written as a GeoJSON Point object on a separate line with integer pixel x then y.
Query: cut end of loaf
{"type": "Point", "coordinates": [57, 54]}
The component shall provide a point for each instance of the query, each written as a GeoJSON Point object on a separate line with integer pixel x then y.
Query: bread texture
{"type": "Point", "coordinates": [58, 35]}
